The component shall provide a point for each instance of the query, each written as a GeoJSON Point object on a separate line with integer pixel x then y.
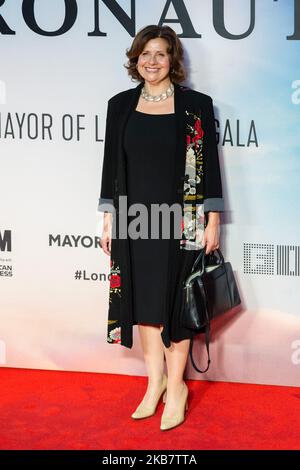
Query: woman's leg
{"type": "Point", "coordinates": [176, 357]}
{"type": "Point", "coordinates": [153, 351]}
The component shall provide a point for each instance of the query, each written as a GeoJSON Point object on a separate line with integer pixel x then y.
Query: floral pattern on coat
{"type": "Point", "coordinates": [113, 326]}
{"type": "Point", "coordinates": [193, 221]}
{"type": "Point", "coordinates": [115, 280]}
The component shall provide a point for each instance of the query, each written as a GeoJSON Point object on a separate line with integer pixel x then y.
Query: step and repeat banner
{"type": "Point", "coordinates": [61, 60]}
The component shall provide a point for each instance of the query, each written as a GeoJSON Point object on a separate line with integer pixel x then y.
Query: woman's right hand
{"type": "Point", "coordinates": [105, 240]}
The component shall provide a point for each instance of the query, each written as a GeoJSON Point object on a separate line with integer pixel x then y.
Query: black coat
{"type": "Point", "coordinates": [188, 104]}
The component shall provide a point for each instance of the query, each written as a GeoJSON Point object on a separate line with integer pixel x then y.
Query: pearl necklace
{"type": "Point", "coordinates": [163, 96]}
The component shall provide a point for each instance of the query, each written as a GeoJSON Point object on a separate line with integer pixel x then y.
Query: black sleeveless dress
{"type": "Point", "coordinates": [149, 144]}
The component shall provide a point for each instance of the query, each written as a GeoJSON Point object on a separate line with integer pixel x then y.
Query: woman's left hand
{"type": "Point", "coordinates": [211, 235]}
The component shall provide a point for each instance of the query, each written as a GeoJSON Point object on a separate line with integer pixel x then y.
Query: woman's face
{"type": "Point", "coordinates": [154, 61]}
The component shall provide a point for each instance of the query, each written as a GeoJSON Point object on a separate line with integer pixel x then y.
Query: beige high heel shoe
{"type": "Point", "coordinates": [143, 411]}
{"type": "Point", "coordinates": [178, 418]}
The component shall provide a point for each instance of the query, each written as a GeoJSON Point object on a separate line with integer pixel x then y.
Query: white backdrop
{"type": "Point", "coordinates": [60, 81]}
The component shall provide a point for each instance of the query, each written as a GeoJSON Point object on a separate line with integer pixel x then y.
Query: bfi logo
{"type": "Point", "coordinates": [268, 259]}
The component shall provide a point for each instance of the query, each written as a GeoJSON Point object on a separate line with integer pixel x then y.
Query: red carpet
{"type": "Point", "coordinates": [77, 410]}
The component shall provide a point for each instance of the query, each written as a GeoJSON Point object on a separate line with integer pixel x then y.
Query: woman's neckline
{"type": "Point", "coordinates": [151, 114]}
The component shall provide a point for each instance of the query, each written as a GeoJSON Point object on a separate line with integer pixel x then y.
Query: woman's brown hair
{"type": "Point", "coordinates": [174, 49]}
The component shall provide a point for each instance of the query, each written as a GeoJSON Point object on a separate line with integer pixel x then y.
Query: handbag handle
{"type": "Point", "coordinates": [207, 335]}
{"type": "Point", "coordinates": [207, 340]}
{"type": "Point", "coordinates": [202, 257]}
{"type": "Point", "coordinates": [195, 273]}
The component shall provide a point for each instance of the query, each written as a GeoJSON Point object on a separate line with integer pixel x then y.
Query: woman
{"type": "Point", "coordinates": [160, 148]}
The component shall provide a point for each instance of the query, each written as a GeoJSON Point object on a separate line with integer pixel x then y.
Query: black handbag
{"type": "Point", "coordinates": [209, 291]}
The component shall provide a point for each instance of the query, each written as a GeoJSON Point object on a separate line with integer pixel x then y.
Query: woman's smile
{"type": "Point", "coordinates": [151, 69]}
